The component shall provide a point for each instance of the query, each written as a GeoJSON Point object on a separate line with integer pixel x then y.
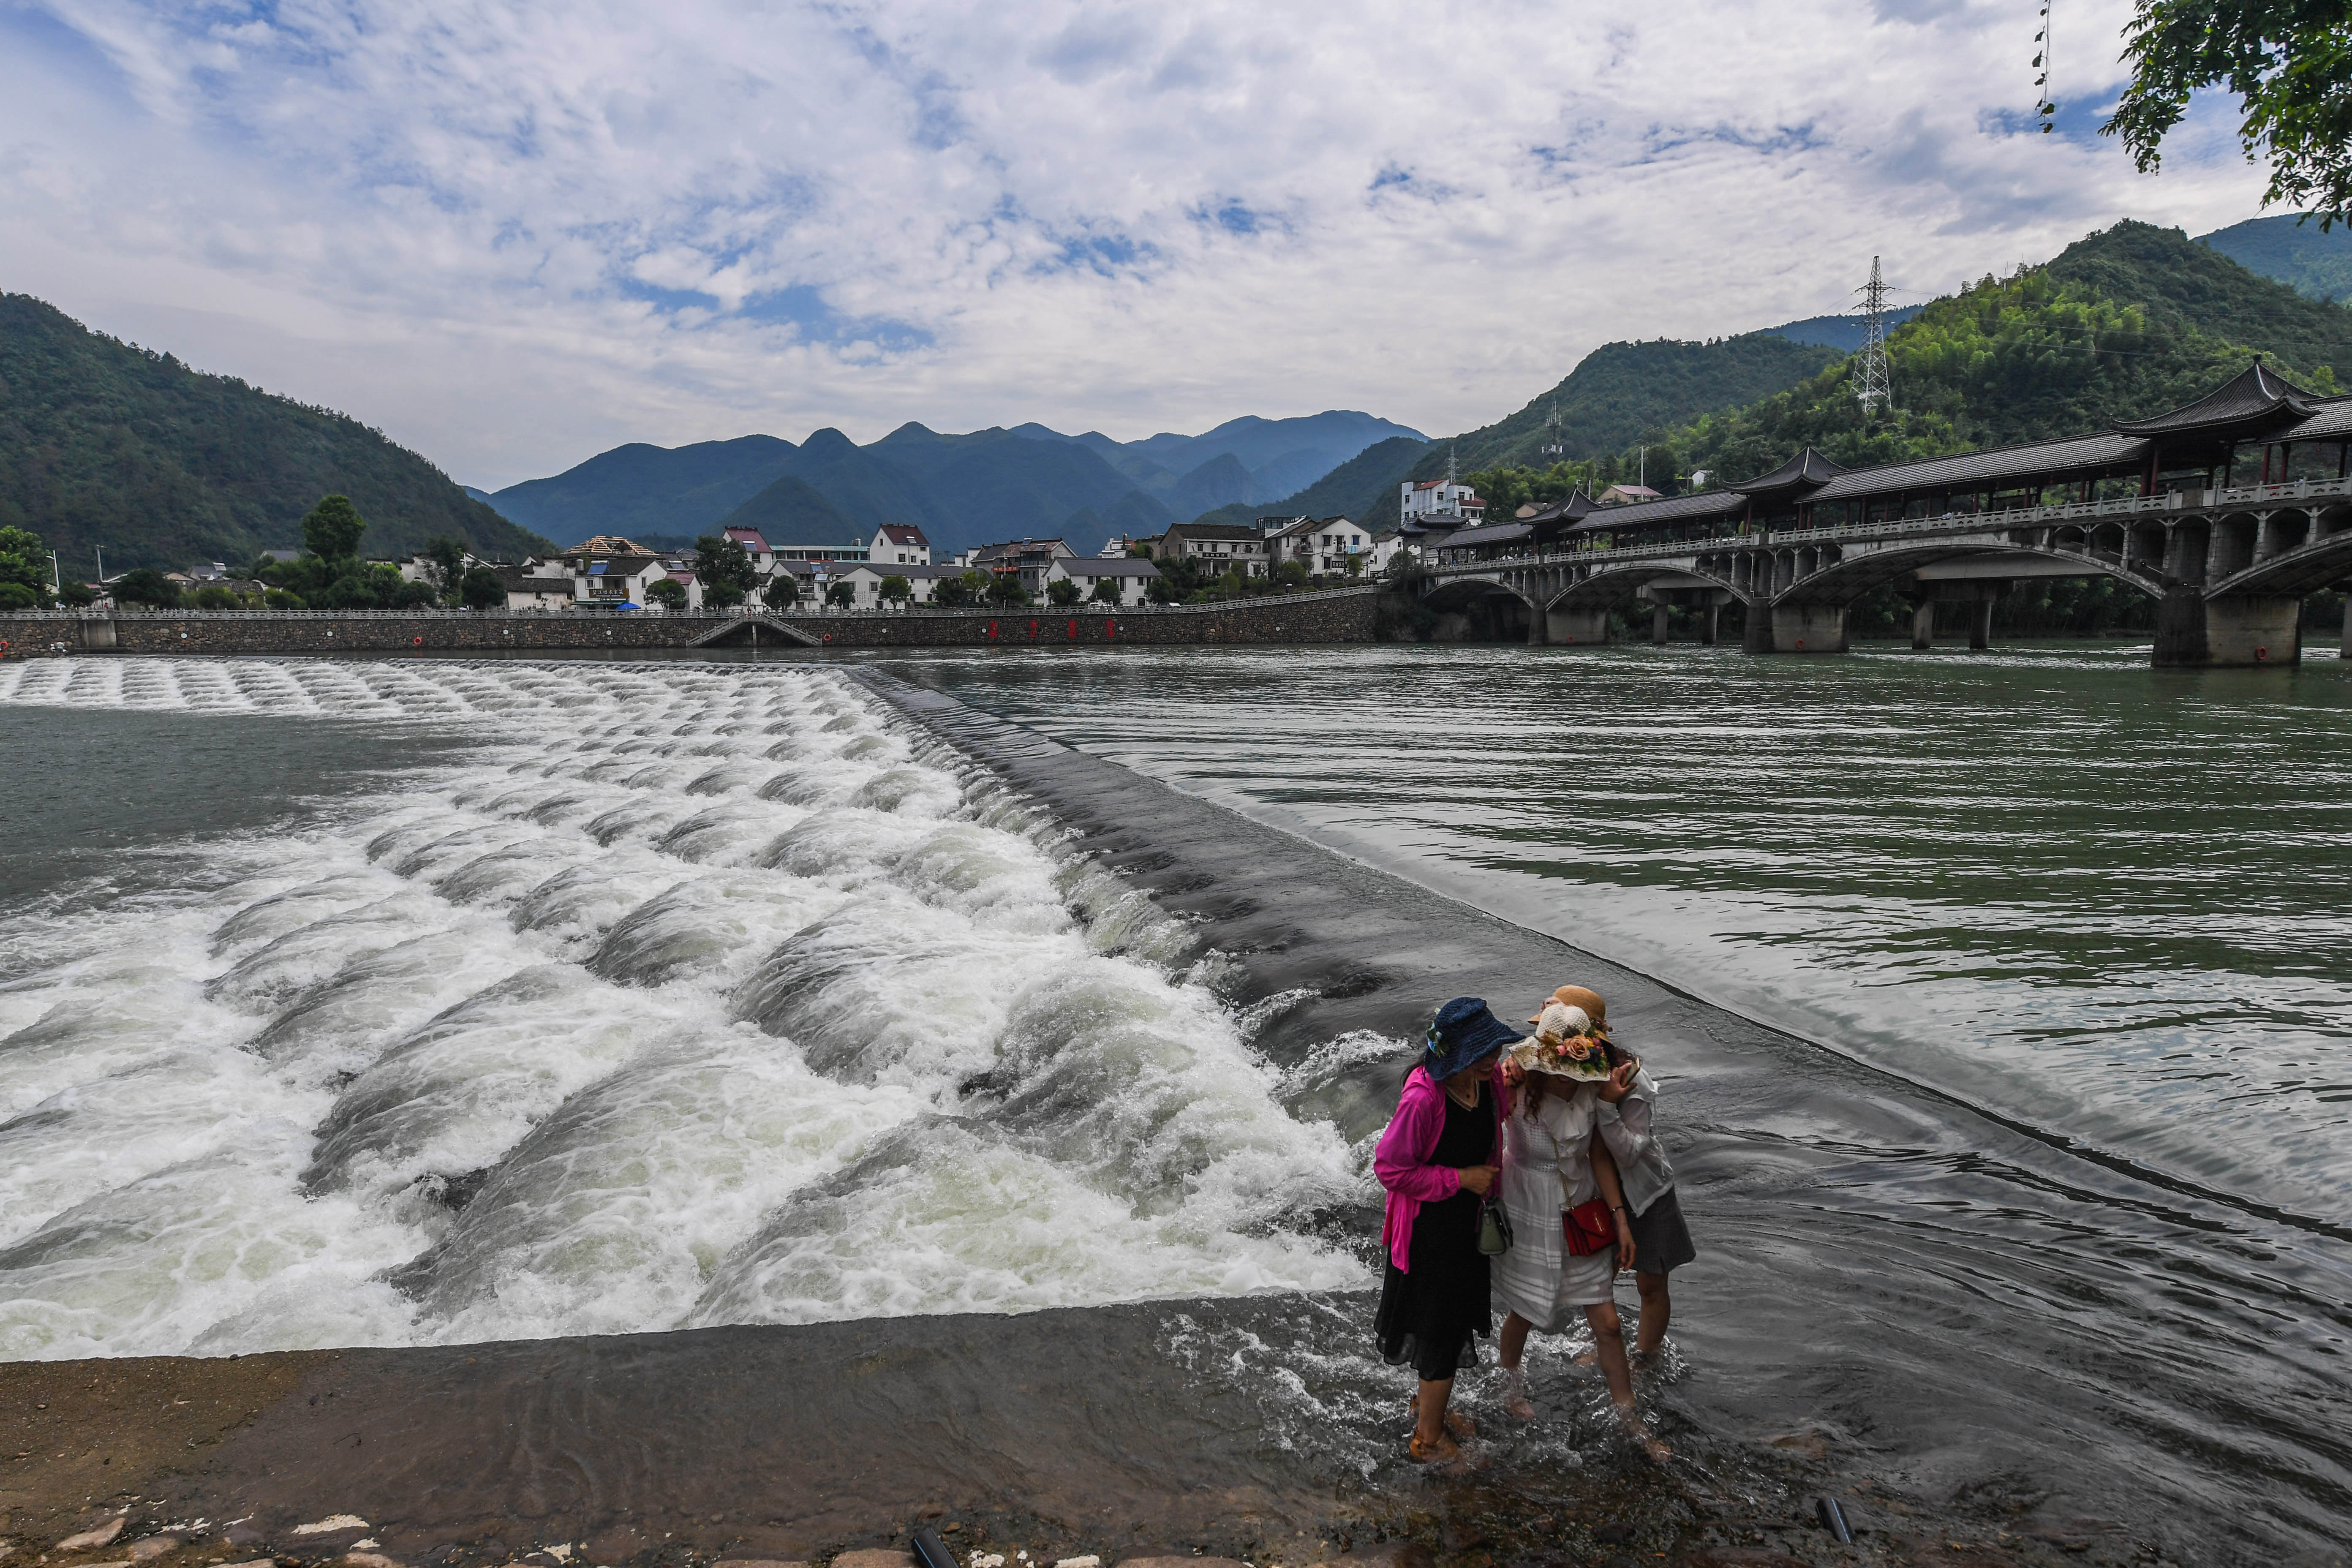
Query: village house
{"type": "Point", "coordinates": [865, 579]}
{"type": "Point", "coordinates": [608, 572]}
{"type": "Point", "coordinates": [1128, 576]}
{"type": "Point", "coordinates": [1216, 547]}
{"type": "Point", "coordinates": [1324, 545]}
{"type": "Point", "coordinates": [1028, 558]}
{"type": "Point", "coordinates": [1440, 503]}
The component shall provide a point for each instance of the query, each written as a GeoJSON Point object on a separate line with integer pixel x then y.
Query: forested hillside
{"type": "Point", "coordinates": [1355, 488]}
{"type": "Point", "coordinates": [639, 490]}
{"type": "Point", "coordinates": [2298, 253]}
{"type": "Point", "coordinates": [104, 443]}
{"type": "Point", "coordinates": [1620, 390]}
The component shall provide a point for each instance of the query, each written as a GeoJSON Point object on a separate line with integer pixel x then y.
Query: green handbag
{"type": "Point", "coordinates": [1493, 1230]}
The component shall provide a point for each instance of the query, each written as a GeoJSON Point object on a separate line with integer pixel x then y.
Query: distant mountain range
{"type": "Point", "coordinates": [1843, 333]}
{"type": "Point", "coordinates": [960, 489]}
{"type": "Point", "coordinates": [2293, 251]}
{"type": "Point", "coordinates": [104, 445]}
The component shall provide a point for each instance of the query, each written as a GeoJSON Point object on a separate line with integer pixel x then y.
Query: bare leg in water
{"type": "Point", "coordinates": [1657, 1309]}
{"type": "Point", "coordinates": [1433, 1426]}
{"type": "Point", "coordinates": [1609, 1349]}
{"type": "Point", "coordinates": [1511, 1347]}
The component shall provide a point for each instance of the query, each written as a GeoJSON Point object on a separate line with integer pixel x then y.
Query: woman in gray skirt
{"type": "Point", "coordinates": [1662, 1242]}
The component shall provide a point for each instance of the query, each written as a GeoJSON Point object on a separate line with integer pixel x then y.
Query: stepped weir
{"type": "Point", "coordinates": [2228, 562]}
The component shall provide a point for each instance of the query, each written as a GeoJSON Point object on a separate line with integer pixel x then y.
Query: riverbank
{"type": "Point", "coordinates": [1044, 1433]}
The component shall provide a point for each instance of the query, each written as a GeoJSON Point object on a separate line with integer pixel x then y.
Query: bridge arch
{"type": "Point", "coordinates": [2320, 554]}
{"type": "Point", "coordinates": [1840, 583]}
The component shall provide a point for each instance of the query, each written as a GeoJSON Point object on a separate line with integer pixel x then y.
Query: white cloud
{"type": "Point", "coordinates": [513, 234]}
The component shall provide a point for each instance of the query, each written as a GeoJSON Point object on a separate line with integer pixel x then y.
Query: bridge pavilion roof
{"type": "Point", "coordinates": [1808, 470]}
{"type": "Point", "coordinates": [1706, 506]}
{"type": "Point", "coordinates": [2075, 456]}
{"type": "Point", "coordinates": [2257, 397]}
{"type": "Point", "coordinates": [2331, 421]}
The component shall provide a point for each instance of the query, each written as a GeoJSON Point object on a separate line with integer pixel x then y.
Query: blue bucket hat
{"type": "Point", "coordinates": [1465, 1032]}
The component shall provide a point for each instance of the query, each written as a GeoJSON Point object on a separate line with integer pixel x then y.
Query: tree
{"type": "Point", "coordinates": [1006, 589]}
{"type": "Point", "coordinates": [783, 590]}
{"type": "Point", "coordinates": [895, 589]}
{"type": "Point", "coordinates": [963, 589]}
{"type": "Point", "coordinates": [842, 595]}
{"type": "Point", "coordinates": [445, 561]}
{"type": "Point", "coordinates": [81, 595]}
{"type": "Point", "coordinates": [215, 597]}
{"type": "Point", "coordinates": [2290, 64]}
{"type": "Point", "coordinates": [1062, 592]}
{"type": "Point", "coordinates": [1292, 573]}
{"type": "Point", "coordinates": [331, 530]}
{"type": "Point", "coordinates": [16, 596]}
{"type": "Point", "coordinates": [282, 599]}
{"type": "Point", "coordinates": [726, 570]}
{"type": "Point", "coordinates": [24, 560]}
{"type": "Point", "coordinates": [1162, 591]}
{"type": "Point", "coordinates": [146, 587]}
{"type": "Point", "coordinates": [481, 588]}
{"type": "Point", "coordinates": [1355, 564]}
{"type": "Point", "coordinates": [1105, 591]}
{"type": "Point", "coordinates": [669, 593]}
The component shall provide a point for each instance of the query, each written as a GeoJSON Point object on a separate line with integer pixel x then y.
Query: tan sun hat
{"type": "Point", "coordinates": [1595, 1009]}
{"type": "Point", "coordinates": [1563, 1046]}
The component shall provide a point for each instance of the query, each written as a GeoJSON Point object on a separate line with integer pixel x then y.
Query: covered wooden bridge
{"type": "Point", "coordinates": [2227, 511]}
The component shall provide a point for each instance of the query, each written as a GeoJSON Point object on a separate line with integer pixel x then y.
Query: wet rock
{"type": "Point", "coordinates": [154, 1546]}
{"type": "Point", "coordinates": [874, 1558]}
{"type": "Point", "coordinates": [757, 1562]}
{"type": "Point", "coordinates": [1742, 1557]}
{"type": "Point", "coordinates": [245, 1532]}
{"type": "Point", "coordinates": [369, 1560]}
{"type": "Point", "coordinates": [1811, 1445]}
{"type": "Point", "coordinates": [333, 1524]}
{"type": "Point", "coordinates": [1391, 1554]}
{"type": "Point", "coordinates": [91, 1539]}
{"type": "Point", "coordinates": [253, 1563]}
{"type": "Point", "coordinates": [1182, 1562]}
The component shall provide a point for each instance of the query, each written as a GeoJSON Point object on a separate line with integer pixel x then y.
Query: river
{"type": "Point", "coordinates": [2001, 1003]}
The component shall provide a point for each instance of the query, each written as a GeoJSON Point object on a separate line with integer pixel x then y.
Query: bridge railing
{"type": "Point", "coordinates": [1901, 528]}
{"type": "Point", "coordinates": [445, 613]}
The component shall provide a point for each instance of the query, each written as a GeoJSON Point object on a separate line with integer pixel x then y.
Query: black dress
{"type": "Point", "coordinates": [1433, 1316]}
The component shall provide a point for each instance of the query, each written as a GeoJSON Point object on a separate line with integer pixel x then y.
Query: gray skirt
{"type": "Point", "coordinates": [1662, 1242]}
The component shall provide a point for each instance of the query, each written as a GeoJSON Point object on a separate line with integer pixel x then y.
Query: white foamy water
{"type": "Point", "coordinates": [687, 996]}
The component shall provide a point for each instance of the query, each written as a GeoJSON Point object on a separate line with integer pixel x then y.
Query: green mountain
{"type": "Point", "coordinates": [2122, 325]}
{"type": "Point", "coordinates": [2293, 251]}
{"type": "Point", "coordinates": [1357, 487]}
{"type": "Point", "coordinates": [2182, 286]}
{"type": "Point", "coordinates": [792, 512]}
{"type": "Point", "coordinates": [1618, 391]}
{"type": "Point", "coordinates": [638, 491]}
{"type": "Point", "coordinates": [107, 444]}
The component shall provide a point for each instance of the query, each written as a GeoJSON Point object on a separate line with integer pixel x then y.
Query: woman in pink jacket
{"type": "Point", "coordinates": [1437, 1160]}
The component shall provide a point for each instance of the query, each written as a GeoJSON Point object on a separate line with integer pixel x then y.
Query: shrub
{"type": "Point", "coordinates": [282, 599]}
{"type": "Point", "coordinates": [216, 598]}
{"type": "Point", "coordinates": [1062, 591]}
{"type": "Point", "coordinates": [1006, 589]}
{"type": "Point", "coordinates": [1107, 591]}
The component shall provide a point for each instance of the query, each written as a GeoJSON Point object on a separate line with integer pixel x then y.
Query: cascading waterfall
{"type": "Point", "coordinates": [674, 996]}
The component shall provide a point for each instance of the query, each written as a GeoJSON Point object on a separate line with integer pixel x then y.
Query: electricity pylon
{"type": "Point", "coordinates": [1870, 376]}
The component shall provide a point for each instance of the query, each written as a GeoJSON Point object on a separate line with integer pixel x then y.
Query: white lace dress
{"type": "Point", "coordinates": [1547, 1171]}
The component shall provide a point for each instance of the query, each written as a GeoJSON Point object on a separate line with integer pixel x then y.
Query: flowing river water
{"type": "Point", "coordinates": [2005, 1020]}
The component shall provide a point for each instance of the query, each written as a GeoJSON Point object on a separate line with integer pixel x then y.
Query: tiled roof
{"type": "Point", "coordinates": [905, 533]}
{"type": "Point", "coordinates": [1807, 469]}
{"type": "Point", "coordinates": [608, 544]}
{"type": "Point", "coordinates": [1212, 530]}
{"type": "Point", "coordinates": [2256, 395]}
{"type": "Point", "coordinates": [2076, 455]}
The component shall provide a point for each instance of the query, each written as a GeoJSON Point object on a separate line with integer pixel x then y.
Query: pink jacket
{"type": "Point", "coordinates": [1401, 1158]}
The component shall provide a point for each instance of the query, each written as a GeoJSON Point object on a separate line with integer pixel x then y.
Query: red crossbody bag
{"type": "Point", "coordinates": [1589, 1227]}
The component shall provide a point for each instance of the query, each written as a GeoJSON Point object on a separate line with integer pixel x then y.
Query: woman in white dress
{"type": "Point", "coordinates": [1557, 1172]}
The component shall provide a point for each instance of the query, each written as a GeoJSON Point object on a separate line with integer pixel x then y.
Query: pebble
{"type": "Point", "coordinates": [154, 1546]}
{"type": "Point", "coordinates": [987, 1560]}
{"type": "Point", "coordinates": [874, 1558]}
{"type": "Point", "coordinates": [91, 1539]}
{"type": "Point", "coordinates": [368, 1560]}
{"type": "Point", "coordinates": [1090, 1560]}
{"type": "Point", "coordinates": [331, 1523]}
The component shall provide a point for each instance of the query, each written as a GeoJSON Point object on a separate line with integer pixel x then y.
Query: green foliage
{"type": "Point", "coordinates": [78, 594]}
{"type": "Point", "coordinates": [358, 585]}
{"type": "Point", "coordinates": [669, 593]}
{"type": "Point", "coordinates": [1062, 592]}
{"type": "Point", "coordinates": [331, 528]}
{"type": "Point", "coordinates": [216, 597]}
{"type": "Point", "coordinates": [1292, 573]}
{"type": "Point", "coordinates": [24, 560]}
{"type": "Point", "coordinates": [446, 559]}
{"type": "Point", "coordinates": [147, 587]}
{"type": "Point", "coordinates": [1004, 588]}
{"type": "Point", "coordinates": [2289, 62]}
{"type": "Point", "coordinates": [2181, 286]}
{"type": "Point", "coordinates": [282, 599]}
{"type": "Point", "coordinates": [965, 589]}
{"type": "Point", "coordinates": [895, 589]}
{"type": "Point", "coordinates": [105, 444]}
{"type": "Point", "coordinates": [842, 596]}
{"type": "Point", "coordinates": [1105, 591]}
{"type": "Point", "coordinates": [16, 596]}
{"type": "Point", "coordinates": [726, 570]}
{"type": "Point", "coordinates": [784, 591]}
{"type": "Point", "coordinates": [481, 588]}
{"type": "Point", "coordinates": [1160, 591]}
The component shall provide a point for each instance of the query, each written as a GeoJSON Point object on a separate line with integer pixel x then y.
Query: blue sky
{"type": "Point", "coordinates": [512, 234]}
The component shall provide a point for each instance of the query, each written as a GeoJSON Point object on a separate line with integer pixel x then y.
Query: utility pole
{"type": "Point", "coordinates": [1870, 376]}
{"type": "Point", "coordinates": [1641, 468]}
{"type": "Point", "coordinates": [101, 563]}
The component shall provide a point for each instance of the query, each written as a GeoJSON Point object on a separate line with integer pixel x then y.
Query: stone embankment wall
{"type": "Point", "coordinates": [1334, 617]}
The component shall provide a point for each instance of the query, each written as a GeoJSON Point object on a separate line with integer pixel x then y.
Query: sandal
{"type": "Point", "coordinates": [1444, 1451]}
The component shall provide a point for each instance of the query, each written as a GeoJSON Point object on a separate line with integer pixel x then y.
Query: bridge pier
{"type": "Point", "coordinates": [1981, 623]}
{"type": "Point", "coordinates": [2344, 651]}
{"type": "Point", "coordinates": [1807, 628]}
{"type": "Point", "coordinates": [2238, 629]}
{"type": "Point", "coordinates": [1923, 626]}
{"type": "Point", "coordinates": [1710, 622]}
{"type": "Point", "coordinates": [1658, 626]}
{"type": "Point", "coordinates": [1572, 626]}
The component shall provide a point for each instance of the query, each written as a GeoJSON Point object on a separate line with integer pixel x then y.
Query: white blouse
{"type": "Point", "coordinates": [1548, 1158]}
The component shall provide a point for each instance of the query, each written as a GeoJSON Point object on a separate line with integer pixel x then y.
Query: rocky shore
{"type": "Point", "coordinates": [1041, 1441]}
